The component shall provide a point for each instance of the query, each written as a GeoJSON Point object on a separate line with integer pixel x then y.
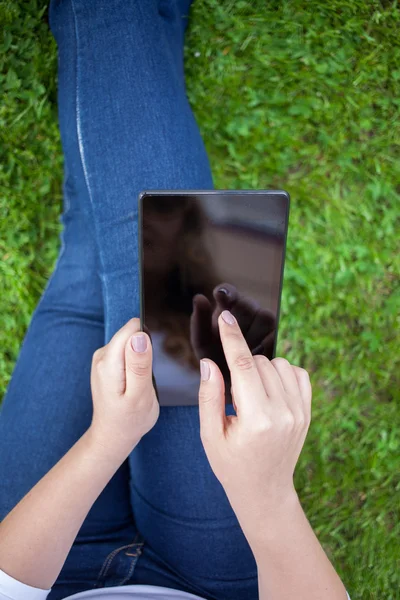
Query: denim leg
{"type": "Point", "coordinates": [136, 131]}
{"type": "Point", "coordinates": [48, 403]}
{"type": "Point", "coordinates": [125, 118]}
{"type": "Point", "coordinates": [134, 124]}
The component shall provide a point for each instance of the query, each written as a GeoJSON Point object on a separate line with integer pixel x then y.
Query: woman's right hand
{"type": "Point", "coordinates": [254, 453]}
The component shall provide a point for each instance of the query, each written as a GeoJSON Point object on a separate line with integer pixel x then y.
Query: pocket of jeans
{"type": "Point", "coordinates": [119, 565]}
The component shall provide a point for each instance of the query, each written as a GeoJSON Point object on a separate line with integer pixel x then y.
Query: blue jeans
{"type": "Point", "coordinates": [126, 125]}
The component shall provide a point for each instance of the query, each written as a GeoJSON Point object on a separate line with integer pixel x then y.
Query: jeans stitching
{"type": "Point", "coordinates": [134, 560]}
{"type": "Point", "coordinates": [108, 560]}
{"type": "Point", "coordinates": [110, 557]}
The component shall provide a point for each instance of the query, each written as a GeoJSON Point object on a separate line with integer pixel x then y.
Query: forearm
{"type": "Point", "coordinates": [37, 535]}
{"type": "Point", "coordinates": [290, 560]}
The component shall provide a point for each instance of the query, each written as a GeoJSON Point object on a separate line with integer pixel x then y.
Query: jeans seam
{"type": "Point", "coordinates": [135, 557]}
{"type": "Point", "coordinates": [110, 557]}
{"type": "Point", "coordinates": [82, 150]}
{"type": "Point", "coordinates": [108, 560]}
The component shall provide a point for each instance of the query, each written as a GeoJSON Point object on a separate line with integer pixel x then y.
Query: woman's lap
{"type": "Point", "coordinates": [114, 147]}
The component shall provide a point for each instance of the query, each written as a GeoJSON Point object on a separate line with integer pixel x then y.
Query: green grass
{"type": "Point", "coordinates": [301, 95]}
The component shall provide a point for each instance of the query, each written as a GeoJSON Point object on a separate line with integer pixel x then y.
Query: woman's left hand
{"type": "Point", "coordinates": [125, 406]}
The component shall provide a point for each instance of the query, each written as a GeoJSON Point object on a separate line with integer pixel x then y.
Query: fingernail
{"type": "Point", "coordinates": [139, 342]}
{"type": "Point", "coordinates": [205, 370]}
{"type": "Point", "coordinates": [228, 317]}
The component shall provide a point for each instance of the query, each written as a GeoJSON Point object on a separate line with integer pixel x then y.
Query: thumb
{"type": "Point", "coordinates": [138, 363]}
{"type": "Point", "coordinates": [211, 401]}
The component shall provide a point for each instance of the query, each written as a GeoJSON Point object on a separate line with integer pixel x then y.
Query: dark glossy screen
{"type": "Point", "coordinates": [203, 253]}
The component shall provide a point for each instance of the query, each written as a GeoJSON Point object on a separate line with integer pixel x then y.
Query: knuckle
{"type": "Point", "coordinates": [205, 397]}
{"type": "Point", "coordinates": [141, 370]}
{"type": "Point", "coordinates": [303, 372]}
{"type": "Point", "coordinates": [301, 421]}
{"type": "Point", "coordinates": [305, 377]}
{"type": "Point", "coordinates": [99, 359]}
{"type": "Point", "coordinates": [287, 420]}
{"type": "Point", "coordinates": [262, 426]}
{"type": "Point", "coordinates": [97, 355]}
{"type": "Point", "coordinates": [260, 360]}
{"type": "Point", "coordinates": [280, 362]}
{"type": "Point", "coordinates": [244, 362]}
{"type": "Point", "coordinates": [133, 321]}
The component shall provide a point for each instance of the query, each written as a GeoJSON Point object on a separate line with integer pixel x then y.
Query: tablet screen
{"type": "Point", "coordinates": [202, 253]}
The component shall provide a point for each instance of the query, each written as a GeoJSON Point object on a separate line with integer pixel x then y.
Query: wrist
{"type": "Point", "coordinates": [106, 448]}
{"type": "Point", "coordinates": [270, 519]}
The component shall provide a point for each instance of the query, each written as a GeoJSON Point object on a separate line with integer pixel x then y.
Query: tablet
{"type": "Point", "coordinates": [202, 252]}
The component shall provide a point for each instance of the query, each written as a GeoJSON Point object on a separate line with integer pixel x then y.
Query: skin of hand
{"type": "Point", "coordinates": [125, 408]}
{"type": "Point", "coordinates": [254, 454]}
{"type": "Point", "coordinates": [257, 476]}
{"type": "Point", "coordinates": [257, 324]}
{"type": "Point", "coordinates": [125, 405]}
